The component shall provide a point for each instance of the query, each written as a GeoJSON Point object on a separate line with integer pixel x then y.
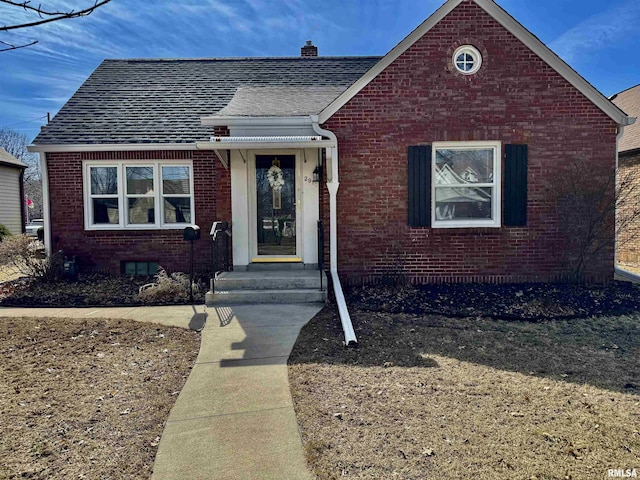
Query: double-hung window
{"type": "Point", "coordinates": [138, 195]}
{"type": "Point", "coordinates": [465, 184]}
{"type": "Point", "coordinates": [176, 194]}
{"type": "Point", "coordinates": [104, 201]}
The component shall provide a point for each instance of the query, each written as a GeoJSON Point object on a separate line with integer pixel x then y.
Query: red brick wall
{"type": "Point", "coordinates": [629, 238]}
{"type": "Point", "coordinates": [420, 99]}
{"type": "Point", "coordinates": [103, 250]}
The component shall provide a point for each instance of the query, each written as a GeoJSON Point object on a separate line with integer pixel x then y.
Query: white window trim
{"type": "Point", "coordinates": [469, 50]}
{"type": "Point", "coordinates": [122, 195]}
{"type": "Point", "coordinates": [496, 199]}
{"type": "Point", "coordinates": [161, 196]}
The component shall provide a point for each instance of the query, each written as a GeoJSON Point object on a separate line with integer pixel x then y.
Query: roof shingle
{"type": "Point", "coordinates": [162, 101]}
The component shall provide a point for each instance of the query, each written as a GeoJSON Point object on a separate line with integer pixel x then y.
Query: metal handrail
{"type": "Point", "coordinates": [321, 251]}
{"type": "Point", "coordinates": [220, 250]}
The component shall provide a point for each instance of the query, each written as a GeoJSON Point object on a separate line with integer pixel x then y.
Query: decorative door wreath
{"type": "Point", "coordinates": [276, 182]}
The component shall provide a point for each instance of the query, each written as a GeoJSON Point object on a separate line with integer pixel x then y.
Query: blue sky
{"type": "Point", "coordinates": [598, 39]}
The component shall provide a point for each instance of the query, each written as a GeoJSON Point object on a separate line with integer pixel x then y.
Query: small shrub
{"type": "Point", "coordinates": [24, 255]}
{"type": "Point", "coordinates": [4, 232]}
{"type": "Point", "coordinates": [167, 288]}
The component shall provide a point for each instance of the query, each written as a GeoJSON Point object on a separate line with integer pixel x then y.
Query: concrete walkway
{"type": "Point", "coordinates": [185, 316]}
{"type": "Point", "coordinates": [234, 419]}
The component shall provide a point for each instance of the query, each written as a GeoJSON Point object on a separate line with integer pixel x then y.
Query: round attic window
{"type": "Point", "coordinates": [467, 59]}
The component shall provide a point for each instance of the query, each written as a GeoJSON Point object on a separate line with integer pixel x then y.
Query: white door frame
{"type": "Point", "coordinates": [253, 207]}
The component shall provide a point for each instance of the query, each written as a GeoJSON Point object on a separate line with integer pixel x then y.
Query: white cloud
{"type": "Point", "coordinates": [48, 73]}
{"type": "Point", "coordinates": [27, 110]}
{"type": "Point", "coordinates": [598, 32]}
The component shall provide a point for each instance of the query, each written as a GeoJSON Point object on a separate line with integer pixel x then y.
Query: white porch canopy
{"type": "Point", "coordinates": [221, 144]}
{"type": "Point", "coordinates": [240, 143]}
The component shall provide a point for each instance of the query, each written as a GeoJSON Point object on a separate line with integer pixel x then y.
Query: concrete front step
{"type": "Point", "coordinates": [290, 286]}
{"type": "Point", "coordinates": [240, 297]}
{"type": "Point", "coordinates": [271, 280]}
{"type": "Point", "coordinates": [267, 266]}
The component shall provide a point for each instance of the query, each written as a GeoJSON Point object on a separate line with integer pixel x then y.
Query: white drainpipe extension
{"type": "Point", "coordinates": [332, 185]}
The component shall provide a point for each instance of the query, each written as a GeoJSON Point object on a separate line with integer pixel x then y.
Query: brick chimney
{"type": "Point", "coordinates": [309, 50]}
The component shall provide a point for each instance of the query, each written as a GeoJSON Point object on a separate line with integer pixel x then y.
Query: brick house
{"type": "Point", "coordinates": [433, 161]}
{"type": "Point", "coordinates": [629, 165]}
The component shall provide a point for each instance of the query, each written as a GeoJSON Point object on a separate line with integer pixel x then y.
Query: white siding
{"type": "Point", "coordinates": [10, 199]}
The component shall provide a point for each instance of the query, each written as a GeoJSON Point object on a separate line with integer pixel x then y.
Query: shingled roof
{"type": "Point", "coordinates": [629, 102]}
{"type": "Point", "coordinates": [8, 159]}
{"type": "Point", "coordinates": [280, 101]}
{"type": "Point", "coordinates": [162, 101]}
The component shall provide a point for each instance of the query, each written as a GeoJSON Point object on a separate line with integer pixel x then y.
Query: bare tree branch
{"type": "Point", "coordinates": [11, 46]}
{"type": "Point", "coordinates": [39, 10]}
{"type": "Point", "coordinates": [48, 16]}
{"type": "Point", "coordinates": [45, 16]}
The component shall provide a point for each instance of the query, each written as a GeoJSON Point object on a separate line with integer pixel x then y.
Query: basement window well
{"type": "Point", "coordinates": [467, 60]}
{"type": "Point", "coordinates": [140, 269]}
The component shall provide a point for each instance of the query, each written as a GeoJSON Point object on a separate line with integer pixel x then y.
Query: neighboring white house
{"type": "Point", "coordinates": [11, 192]}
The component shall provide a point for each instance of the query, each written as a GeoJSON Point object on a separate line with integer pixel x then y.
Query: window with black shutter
{"type": "Point", "coordinates": [515, 185]}
{"type": "Point", "coordinates": [420, 186]}
{"type": "Point", "coordinates": [459, 185]}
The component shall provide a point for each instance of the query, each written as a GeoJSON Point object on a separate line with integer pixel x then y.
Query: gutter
{"type": "Point", "coordinates": [109, 147]}
{"type": "Point", "coordinates": [333, 184]}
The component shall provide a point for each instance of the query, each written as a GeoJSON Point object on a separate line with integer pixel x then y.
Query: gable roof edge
{"type": "Point", "coordinates": [387, 60]}
{"type": "Point", "coordinates": [511, 25]}
{"type": "Point", "coordinates": [554, 61]}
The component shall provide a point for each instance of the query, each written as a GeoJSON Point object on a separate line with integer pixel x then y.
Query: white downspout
{"type": "Point", "coordinates": [332, 185]}
{"type": "Point", "coordinates": [617, 270]}
{"type": "Point", "coordinates": [46, 204]}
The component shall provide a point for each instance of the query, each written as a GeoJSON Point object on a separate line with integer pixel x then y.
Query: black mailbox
{"type": "Point", "coordinates": [191, 233]}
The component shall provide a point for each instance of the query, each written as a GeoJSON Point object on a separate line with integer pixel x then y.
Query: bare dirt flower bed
{"type": "Point", "coordinates": [91, 289]}
{"type": "Point", "coordinates": [533, 302]}
{"type": "Point", "coordinates": [429, 396]}
{"type": "Point", "coordinates": [87, 398]}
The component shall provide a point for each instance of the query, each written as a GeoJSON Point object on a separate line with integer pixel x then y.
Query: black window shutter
{"type": "Point", "coordinates": [515, 185]}
{"type": "Point", "coordinates": [420, 186]}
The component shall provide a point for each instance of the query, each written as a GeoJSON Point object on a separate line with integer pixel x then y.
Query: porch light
{"type": "Point", "coordinates": [317, 174]}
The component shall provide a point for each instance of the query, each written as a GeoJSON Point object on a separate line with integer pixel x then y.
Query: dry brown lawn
{"type": "Point", "coordinates": [433, 397]}
{"type": "Point", "coordinates": [87, 398]}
